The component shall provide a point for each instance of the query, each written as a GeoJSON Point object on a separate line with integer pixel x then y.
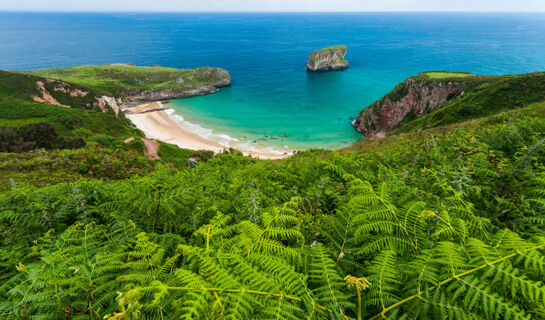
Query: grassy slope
{"type": "Point", "coordinates": [114, 80]}
{"type": "Point", "coordinates": [108, 160]}
{"type": "Point", "coordinates": [483, 96]}
{"type": "Point", "coordinates": [446, 74]}
{"type": "Point", "coordinates": [492, 95]}
{"type": "Point", "coordinates": [18, 108]}
{"type": "Point", "coordinates": [23, 86]}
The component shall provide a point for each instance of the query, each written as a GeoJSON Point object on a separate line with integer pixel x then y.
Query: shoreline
{"type": "Point", "coordinates": [155, 121]}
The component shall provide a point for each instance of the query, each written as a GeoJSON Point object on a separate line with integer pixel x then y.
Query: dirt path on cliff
{"type": "Point", "coordinates": [152, 148]}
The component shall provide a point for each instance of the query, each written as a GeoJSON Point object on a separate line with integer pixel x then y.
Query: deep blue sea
{"type": "Point", "coordinates": [273, 100]}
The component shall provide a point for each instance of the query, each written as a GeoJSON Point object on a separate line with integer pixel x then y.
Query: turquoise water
{"type": "Point", "coordinates": [273, 100]}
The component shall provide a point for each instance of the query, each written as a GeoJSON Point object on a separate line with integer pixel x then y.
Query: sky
{"type": "Point", "coordinates": [272, 5]}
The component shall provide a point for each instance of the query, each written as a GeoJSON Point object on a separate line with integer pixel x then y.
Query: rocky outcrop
{"type": "Point", "coordinates": [55, 92]}
{"type": "Point", "coordinates": [204, 81]}
{"type": "Point", "coordinates": [192, 162]}
{"type": "Point", "coordinates": [411, 98]}
{"type": "Point", "coordinates": [46, 97]}
{"type": "Point", "coordinates": [123, 85]}
{"type": "Point", "coordinates": [106, 102]}
{"type": "Point", "coordinates": [138, 97]}
{"type": "Point", "coordinates": [331, 58]}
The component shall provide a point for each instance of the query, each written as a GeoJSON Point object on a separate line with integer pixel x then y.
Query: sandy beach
{"type": "Point", "coordinates": [156, 124]}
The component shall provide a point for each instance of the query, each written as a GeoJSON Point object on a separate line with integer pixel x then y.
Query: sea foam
{"type": "Point", "coordinates": [221, 138]}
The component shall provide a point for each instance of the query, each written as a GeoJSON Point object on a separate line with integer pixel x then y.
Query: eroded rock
{"type": "Point", "coordinates": [410, 96]}
{"type": "Point", "coordinates": [331, 58]}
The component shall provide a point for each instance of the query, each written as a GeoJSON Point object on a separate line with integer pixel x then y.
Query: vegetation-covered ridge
{"type": "Point", "coordinates": [142, 84]}
{"type": "Point", "coordinates": [73, 111]}
{"type": "Point", "coordinates": [439, 223]}
{"type": "Point", "coordinates": [326, 59]}
{"type": "Point", "coordinates": [437, 98]}
{"type": "Point", "coordinates": [26, 87]}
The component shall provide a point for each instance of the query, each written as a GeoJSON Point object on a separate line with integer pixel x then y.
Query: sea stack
{"type": "Point", "coordinates": [327, 59]}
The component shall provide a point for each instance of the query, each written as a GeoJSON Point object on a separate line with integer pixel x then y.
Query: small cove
{"type": "Point", "coordinates": [273, 101]}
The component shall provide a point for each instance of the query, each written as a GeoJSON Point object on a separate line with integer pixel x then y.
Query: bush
{"type": "Point", "coordinates": [28, 137]}
{"type": "Point", "coordinates": [76, 143]}
{"type": "Point", "coordinates": [39, 135]}
{"type": "Point", "coordinates": [33, 136]}
{"type": "Point", "coordinates": [202, 155]}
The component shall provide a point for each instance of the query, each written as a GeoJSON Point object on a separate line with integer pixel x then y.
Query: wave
{"type": "Point", "coordinates": [222, 138]}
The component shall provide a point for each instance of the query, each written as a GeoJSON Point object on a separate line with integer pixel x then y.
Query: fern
{"type": "Point", "coordinates": [76, 279]}
{"type": "Point", "coordinates": [459, 282]}
{"type": "Point", "coordinates": [326, 283]}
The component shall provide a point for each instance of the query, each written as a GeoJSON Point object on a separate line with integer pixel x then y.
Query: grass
{"type": "Point", "coordinates": [23, 86]}
{"type": "Point", "coordinates": [17, 108]}
{"type": "Point", "coordinates": [444, 75]}
{"type": "Point", "coordinates": [42, 167]}
{"type": "Point", "coordinates": [482, 96]}
{"type": "Point", "coordinates": [333, 48]}
{"type": "Point", "coordinates": [485, 96]}
{"type": "Point", "coordinates": [116, 80]}
{"type": "Point", "coordinates": [68, 122]}
{"type": "Point", "coordinates": [396, 142]}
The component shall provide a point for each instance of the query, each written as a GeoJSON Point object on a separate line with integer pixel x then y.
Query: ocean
{"type": "Point", "coordinates": [273, 101]}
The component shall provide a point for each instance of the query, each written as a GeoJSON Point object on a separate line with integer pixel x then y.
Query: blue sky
{"type": "Point", "coordinates": [273, 5]}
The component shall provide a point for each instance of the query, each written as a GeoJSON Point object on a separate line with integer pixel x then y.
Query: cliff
{"type": "Point", "coordinates": [331, 58]}
{"type": "Point", "coordinates": [437, 98]}
{"type": "Point", "coordinates": [194, 82]}
{"type": "Point", "coordinates": [411, 98]}
{"type": "Point", "coordinates": [129, 85]}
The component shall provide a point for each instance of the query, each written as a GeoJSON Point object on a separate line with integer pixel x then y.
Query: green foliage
{"type": "Point", "coordinates": [432, 224]}
{"type": "Point", "coordinates": [446, 74]}
{"type": "Point", "coordinates": [24, 87]}
{"type": "Point", "coordinates": [35, 136]}
{"type": "Point", "coordinates": [68, 122]}
{"type": "Point", "coordinates": [40, 167]}
{"type": "Point", "coordinates": [476, 97]}
{"type": "Point", "coordinates": [118, 79]}
{"type": "Point", "coordinates": [484, 96]}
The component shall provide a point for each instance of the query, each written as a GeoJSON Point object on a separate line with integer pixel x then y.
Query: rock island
{"type": "Point", "coordinates": [327, 59]}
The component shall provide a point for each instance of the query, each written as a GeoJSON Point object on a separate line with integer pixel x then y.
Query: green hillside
{"type": "Point", "coordinates": [491, 95]}
{"type": "Point", "coordinates": [82, 119]}
{"type": "Point", "coordinates": [443, 222]}
{"type": "Point", "coordinates": [118, 79]}
{"type": "Point", "coordinates": [481, 96]}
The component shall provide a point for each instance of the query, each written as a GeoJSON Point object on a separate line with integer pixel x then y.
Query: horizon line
{"type": "Point", "coordinates": [249, 12]}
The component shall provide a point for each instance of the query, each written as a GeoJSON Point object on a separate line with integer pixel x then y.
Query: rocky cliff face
{"type": "Point", "coordinates": [182, 87]}
{"type": "Point", "coordinates": [327, 59]}
{"type": "Point", "coordinates": [411, 98]}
